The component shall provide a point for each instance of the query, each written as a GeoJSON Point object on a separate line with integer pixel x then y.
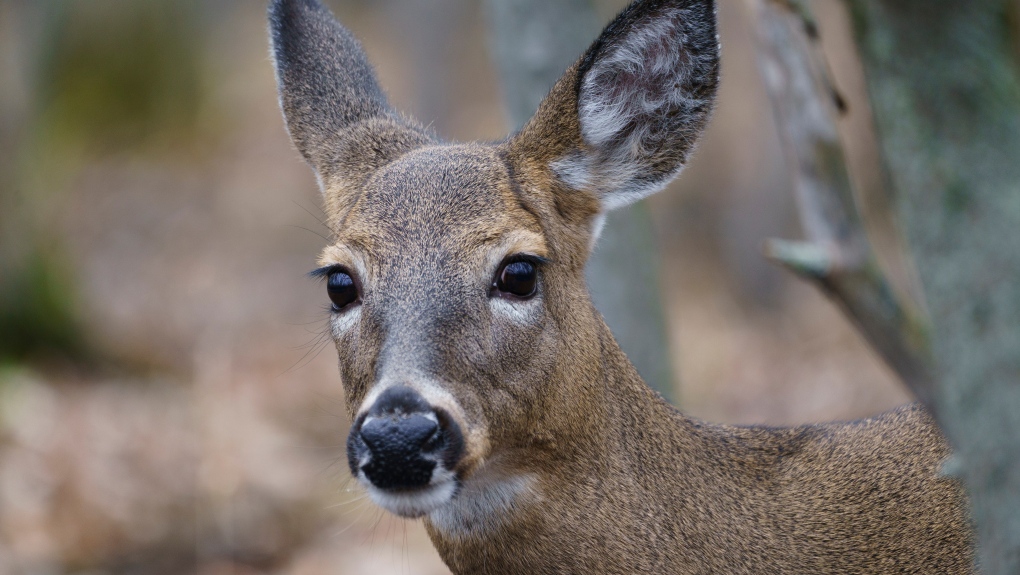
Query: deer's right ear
{"type": "Point", "coordinates": [623, 120]}
{"type": "Point", "coordinates": [336, 113]}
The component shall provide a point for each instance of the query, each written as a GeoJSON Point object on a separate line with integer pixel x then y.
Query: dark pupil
{"type": "Point", "coordinates": [517, 278]}
{"type": "Point", "coordinates": [341, 289]}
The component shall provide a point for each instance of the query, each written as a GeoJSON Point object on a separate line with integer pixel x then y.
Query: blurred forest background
{"type": "Point", "coordinates": [169, 402]}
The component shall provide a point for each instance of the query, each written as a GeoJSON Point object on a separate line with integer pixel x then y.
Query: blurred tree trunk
{"type": "Point", "coordinates": [533, 42]}
{"type": "Point", "coordinates": [426, 27]}
{"type": "Point", "coordinates": [945, 88]}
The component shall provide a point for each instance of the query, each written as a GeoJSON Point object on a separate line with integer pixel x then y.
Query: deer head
{"type": "Point", "coordinates": [466, 338]}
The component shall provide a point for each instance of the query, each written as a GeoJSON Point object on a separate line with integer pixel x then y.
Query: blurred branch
{"type": "Point", "coordinates": [836, 256]}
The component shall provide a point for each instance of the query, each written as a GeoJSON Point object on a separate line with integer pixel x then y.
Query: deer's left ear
{"type": "Point", "coordinates": [623, 120]}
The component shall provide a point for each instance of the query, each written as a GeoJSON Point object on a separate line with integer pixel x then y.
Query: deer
{"type": "Point", "coordinates": [487, 395]}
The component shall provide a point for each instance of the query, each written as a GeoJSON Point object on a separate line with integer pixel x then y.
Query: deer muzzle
{"type": "Point", "coordinates": [405, 451]}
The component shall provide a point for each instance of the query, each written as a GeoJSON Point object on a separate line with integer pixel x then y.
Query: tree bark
{"type": "Point", "coordinates": [945, 87]}
{"type": "Point", "coordinates": [836, 255]}
{"type": "Point", "coordinates": [533, 42]}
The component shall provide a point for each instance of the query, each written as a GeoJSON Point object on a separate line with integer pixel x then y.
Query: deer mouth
{"type": "Point", "coordinates": [416, 502]}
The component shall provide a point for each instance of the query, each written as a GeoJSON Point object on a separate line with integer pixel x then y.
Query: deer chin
{"type": "Point", "coordinates": [484, 504]}
{"type": "Point", "coordinates": [415, 503]}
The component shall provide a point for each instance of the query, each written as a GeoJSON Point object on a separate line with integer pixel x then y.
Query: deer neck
{"type": "Point", "coordinates": [636, 421]}
{"type": "Point", "coordinates": [618, 466]}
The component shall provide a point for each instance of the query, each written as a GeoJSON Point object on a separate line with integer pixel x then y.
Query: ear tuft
{"type": "Point", "coordinates": [644, 93]}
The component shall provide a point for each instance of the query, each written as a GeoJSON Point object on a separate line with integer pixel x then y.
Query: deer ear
{"type": "Point", "coordinates": [336, 113]}
{"type": "Point", "coordinates": [623, 120]}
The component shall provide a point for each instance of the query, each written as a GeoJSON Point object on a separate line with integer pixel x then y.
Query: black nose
{"type": "Point", "coordinates": [399, 442]}
{"type": "Point", "coordinates": [396, 446]}
{"type": "Point", "coordinates": [395, 436]}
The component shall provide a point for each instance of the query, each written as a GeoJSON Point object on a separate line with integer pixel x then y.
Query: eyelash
{"type": "Point", "coordinates": [537, 261]}
{"type": "Point", "coordinates": [325, 272]}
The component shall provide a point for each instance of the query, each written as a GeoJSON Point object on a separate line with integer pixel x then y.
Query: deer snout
{"type": "Point", "coordinates": [404, 444]}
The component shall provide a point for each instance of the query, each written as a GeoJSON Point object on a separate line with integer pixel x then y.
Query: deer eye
{"type": "Point", "coordinates": [516, 278]}
{"type": "Point", "coordinates": [341, 289]}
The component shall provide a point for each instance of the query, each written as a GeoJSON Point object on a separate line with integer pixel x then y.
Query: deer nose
{"type": "Point", "coordinates": [399, 442]}
{"type": "Point", "coordinates": [396, 436]}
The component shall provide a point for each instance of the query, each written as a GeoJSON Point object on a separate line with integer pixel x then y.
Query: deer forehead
{"type": "Point", "coordinates": [447, 204]}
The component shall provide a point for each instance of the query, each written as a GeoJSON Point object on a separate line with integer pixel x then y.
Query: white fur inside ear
{"type": "Point", "coordinates": [643, 75]}
{"type": "Point", "coordinates": [635, 105]}
{"type": "Point", "coordinates": [616, 183]}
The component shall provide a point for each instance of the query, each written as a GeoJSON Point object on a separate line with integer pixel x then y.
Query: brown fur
{"type": "Point", "coordinates": [609, 478]}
